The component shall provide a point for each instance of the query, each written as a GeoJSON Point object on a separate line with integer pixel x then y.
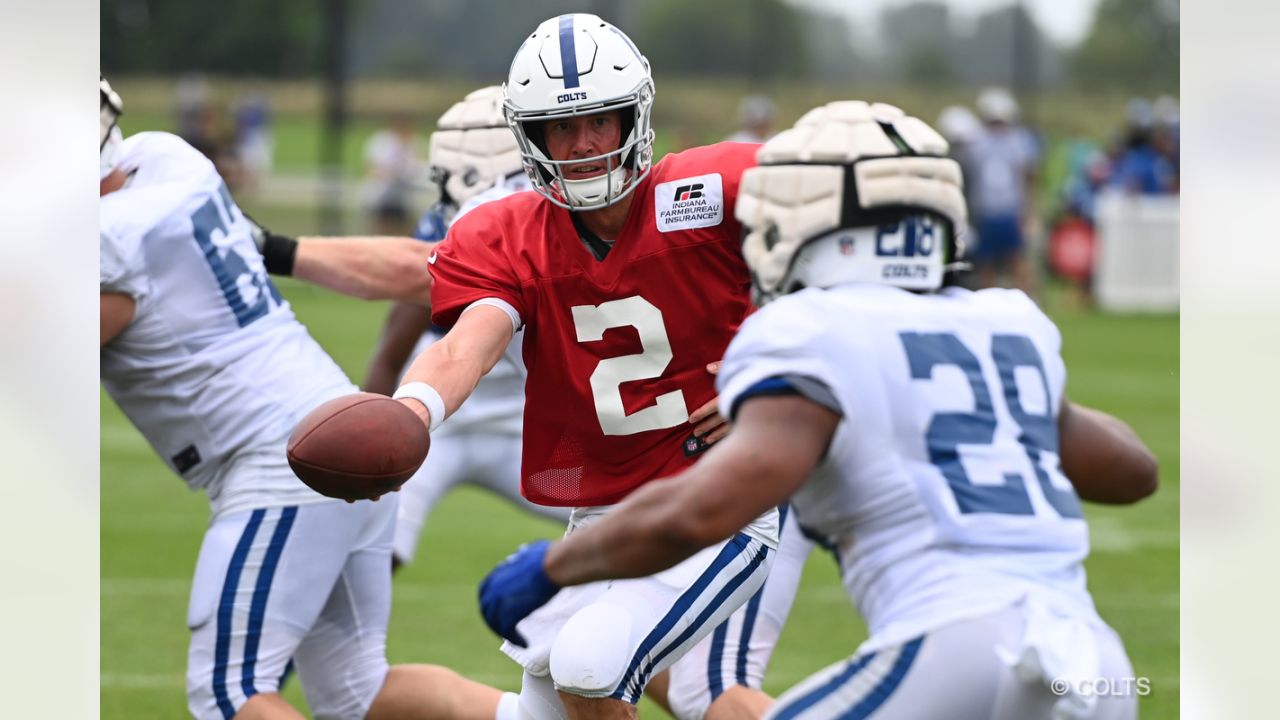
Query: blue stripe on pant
{"type": "Point", "coordinates": [222, 649]}
{"type": "Point", "coordinates": [753, 611]}
{"type": "Point", "coordinates": [258, 610]}
{"type": "Point", "coordinates": [744, 640]}
{"type": "Point", "coordinates": [635, 678]}
{"type": "Point", "coordinates": [872, 700]}
{"type": "Point", "coordinates": [715, 659]}
{"type": "Point", "coordinates": [715, 683]}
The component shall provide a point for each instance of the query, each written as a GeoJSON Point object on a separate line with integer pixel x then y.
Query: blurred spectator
{"type": "Point", "coordinates": [1005, 157]}
{"type": "Point", "coordinates": [755, 117]}
{"type": "Point", "coordinates": [191, 97]}
{"type": "Point", "coordinates": [1088, 169]}
{"type": "Point", "coordinates": [1167, 137]}
{"type": "Point", "coordinates": [254, 142]}
{"type": "Point", "coordinates": [1167, 115]}
{"type": "Point", "coordinates": [961, 128]}
{"type": "Point", "coordinates": [1073, 240]}
{"type": "Point", "coordinates": [1145, 164]}
{"type": "Point", "coordinates": [204, 127]}
{"type": "Point", "coordinates": [394, 168]}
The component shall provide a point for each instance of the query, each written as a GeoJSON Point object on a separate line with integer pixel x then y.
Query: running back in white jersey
{"type": "Point", "coordinates": [942, 489]}
{"type": "Point", "coordinates": [497, 405]}
{"type": "Point", "coordinates": [214, 362]}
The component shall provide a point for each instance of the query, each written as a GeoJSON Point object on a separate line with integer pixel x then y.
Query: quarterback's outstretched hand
{"type": "Point", "coordinates": [516, 587]}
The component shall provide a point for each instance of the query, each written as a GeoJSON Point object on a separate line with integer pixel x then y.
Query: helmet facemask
{"type": "Point", "coordinates": [110, 110]}
{"type": "Point", "coordinates": [576, 66]}
{"type": "Point", "coordinates": [624, 167]}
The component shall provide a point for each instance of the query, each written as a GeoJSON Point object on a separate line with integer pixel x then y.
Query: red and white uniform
{"type": "Point", "coordinates": [616, 349]}
{"type": "Point", "coordinates": [617, 353]}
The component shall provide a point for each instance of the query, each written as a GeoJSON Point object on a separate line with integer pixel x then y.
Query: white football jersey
{"type": "Point", "coordinates": [1001, 160]}
{"type": "Point", "coordinates": [214, 364]}
{"type": "Point", "coordinates": [941, 490]}
{"type": "Point", "coordinates": [497, 405]}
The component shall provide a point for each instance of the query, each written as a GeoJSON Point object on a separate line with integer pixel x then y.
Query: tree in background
{"type": "Point", "coordinates": [832, 57]}
{"type": "Point", "coordinates": [918, 43]}
{"type": "Point", "coordinates": [274, 38]}
{"type": "Point", "coordinates": [1133, 45]}
{"type": "Point", "coordinates": [751, 38]}
{"type": "Point", "coordinates": [1008, 48]}
{"type": "Point", "coordinates": [922, 47]}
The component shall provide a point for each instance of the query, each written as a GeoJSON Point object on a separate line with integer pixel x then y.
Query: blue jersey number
{"type": "Point", "coordinates": [948, 430]}
{"type": "Point", "coordinates": [228, 266]}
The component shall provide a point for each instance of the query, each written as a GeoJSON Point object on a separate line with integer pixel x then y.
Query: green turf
{"type": "Point", "coordinates": [152, 526]}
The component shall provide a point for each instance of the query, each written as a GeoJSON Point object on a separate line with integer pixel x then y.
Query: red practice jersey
{"type": "Point", "coordinates": [616, 349]}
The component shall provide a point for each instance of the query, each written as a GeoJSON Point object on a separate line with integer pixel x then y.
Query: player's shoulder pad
{"type": "Point", "coordinates": [1016, 302]}
{"type": "Point", "coordinates": [791, 324]}
{"type": "Point", "coordinates": [790, 336]}
{"type": "Point", "coordinates": [166, 155]}
{"type": "Point", "coordinates": [493, 194]}
{"type": "Point", "coordinates": [510, 211]}
{"type": "Point", "coordinates": [727, 158]}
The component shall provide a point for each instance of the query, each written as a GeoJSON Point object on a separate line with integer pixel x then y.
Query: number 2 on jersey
{"type": "Point", "coordinates": [591, 322]}
{"type": "Point", "coordinates": [948, 430]}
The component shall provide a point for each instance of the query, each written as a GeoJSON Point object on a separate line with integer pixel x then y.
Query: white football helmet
{"type": "Point", "coordinates": [580, 65]}
{"type": "Point", "coordinates": [473, 147]}
{"type": "Point", "coordinates": [995, 104]}
{"type": "Point", "coordinates": [111, 108]}
{"type": "Point", "coordinates": [958, 124]}
{"type": "Point", "coordinates": [854, 193]}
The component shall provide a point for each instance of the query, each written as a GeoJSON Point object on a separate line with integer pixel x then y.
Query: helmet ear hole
{"type": "Point", "coordinates": [536, 132]}
{"type": "Point", "coordinates": [628, 121]}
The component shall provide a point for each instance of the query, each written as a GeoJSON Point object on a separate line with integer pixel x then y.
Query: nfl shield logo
{"type": "Point", "coordinates": [691, 445]}
{"type": "Point", "coordinates": [846, 245]}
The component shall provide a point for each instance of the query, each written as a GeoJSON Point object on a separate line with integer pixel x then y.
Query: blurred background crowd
{"type": "Point", "coordinates": [1065, 118]}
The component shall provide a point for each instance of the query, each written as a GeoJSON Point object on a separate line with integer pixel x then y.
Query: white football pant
{"type": "Point", "coordinates": [310, 583]}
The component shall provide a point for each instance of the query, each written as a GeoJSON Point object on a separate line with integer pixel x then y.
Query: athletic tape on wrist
{"type": "Point", "coordinates": [428, 396]}
{"type": "Point", "coordinates": [278, 253]}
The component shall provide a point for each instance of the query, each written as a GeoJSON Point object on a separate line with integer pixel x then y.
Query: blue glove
{"type": "Point", "coordinates": [515, 588]}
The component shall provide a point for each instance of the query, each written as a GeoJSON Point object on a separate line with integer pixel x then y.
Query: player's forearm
{"type": "Point", "coordinates": [370, 268]}
{"type": "Point", "coordinates": [642, 536]}
{"type": "Point", "coordinates": [667, 521]}
{"type": "Point", "coordinates": [115, 312]}
{"type": "Point", "coordinates": [1104, 458]}
{"type": "Point", "coordinates": [454, 365]}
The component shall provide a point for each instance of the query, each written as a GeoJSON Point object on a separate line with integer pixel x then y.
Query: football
{"type": "Point", "coordinates": [358, 446]}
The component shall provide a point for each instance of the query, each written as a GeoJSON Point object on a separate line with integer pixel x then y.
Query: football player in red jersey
{"type": "Point", "coordinates": [629, 282]}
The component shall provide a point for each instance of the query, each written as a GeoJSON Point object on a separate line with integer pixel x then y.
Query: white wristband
{"type": "Point", "coordinates": [428, 396]}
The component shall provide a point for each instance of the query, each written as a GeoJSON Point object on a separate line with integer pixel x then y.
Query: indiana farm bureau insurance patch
{"type": "Point", "coordinates": [689, 203]}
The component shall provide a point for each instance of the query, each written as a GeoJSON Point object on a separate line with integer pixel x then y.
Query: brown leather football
{"type": "Point", "coordinates": [358, 446]}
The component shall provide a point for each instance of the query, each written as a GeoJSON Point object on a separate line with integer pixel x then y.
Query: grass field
{"type": "Point", "coordinates": [152, 526]}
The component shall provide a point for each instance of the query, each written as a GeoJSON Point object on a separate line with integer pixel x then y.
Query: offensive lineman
{"type": "Point", "coordinates": [473, 160]}
{"type": "Point", "coordinates": [924, 427]}
{"type": "Point", "coordinates": [628, 282]}
{"type": "Point", "coordinates": [204, 356]}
